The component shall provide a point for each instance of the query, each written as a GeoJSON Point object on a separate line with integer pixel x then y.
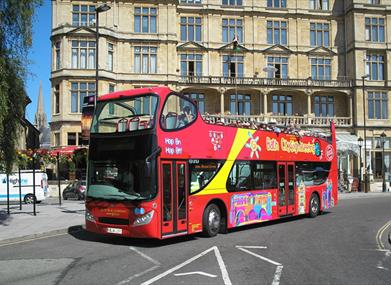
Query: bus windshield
{"type": "Point", "coordinates": [122, 180]}
{"type": "Point", "coordinates": [125, 115]}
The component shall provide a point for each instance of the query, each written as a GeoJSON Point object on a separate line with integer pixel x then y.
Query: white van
{"type": "Point", "coordinates": [41, 186]}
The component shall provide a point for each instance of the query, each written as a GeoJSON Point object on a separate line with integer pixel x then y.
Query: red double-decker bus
{"type": "Point", "coordinates": [157, 169]}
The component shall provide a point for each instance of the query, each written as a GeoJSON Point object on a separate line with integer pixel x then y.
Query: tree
{"type": "Point", "coordinates": [16, 18]}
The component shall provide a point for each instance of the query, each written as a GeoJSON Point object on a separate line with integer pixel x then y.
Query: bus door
{"type": "Point", "coordinates": [286, 188]}
{"type": "Point", "coordinates": [174, 197]}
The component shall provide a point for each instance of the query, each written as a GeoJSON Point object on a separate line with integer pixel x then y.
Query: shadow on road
{"type": "Point", "coordinates": [81, 234]}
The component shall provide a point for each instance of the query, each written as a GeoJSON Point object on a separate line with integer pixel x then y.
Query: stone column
{"type": "Point", "coordinates": [309, 94]}
{"type": "Point", "coordinates": [221, 101]}
{"type": "Point", "coordinates": [264, 102]}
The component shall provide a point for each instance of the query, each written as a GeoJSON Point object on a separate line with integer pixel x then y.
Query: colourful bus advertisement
{"type": "Point", "coordinates": [158, 169]}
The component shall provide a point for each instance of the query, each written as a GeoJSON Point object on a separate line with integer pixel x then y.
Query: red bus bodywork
{"type": "Point", "coordinates": [202, 140]}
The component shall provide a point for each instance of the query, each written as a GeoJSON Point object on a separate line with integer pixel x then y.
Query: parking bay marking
{"type": "Point", "coordinates": [278, 272]}
{"type": "Point", "coordinates": [155, 262]}
{"type": "Point", "coordinates": [220, 261]}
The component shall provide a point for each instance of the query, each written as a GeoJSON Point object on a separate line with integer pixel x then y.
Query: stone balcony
{"type": "Point", "coordinates": [255, 81]}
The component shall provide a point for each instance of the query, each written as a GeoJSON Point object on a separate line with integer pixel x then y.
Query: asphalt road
{"type": "Point", "coordinates": [347, 245]}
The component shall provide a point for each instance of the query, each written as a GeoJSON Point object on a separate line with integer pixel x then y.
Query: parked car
{"type": "Point", "coordinates": [75, 190]}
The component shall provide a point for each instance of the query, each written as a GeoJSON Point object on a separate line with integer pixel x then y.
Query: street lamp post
{"type": "Point", "coordinates": [100, 9]}
{"type": "Point", "coordinates": [360, 140]}
{"type": "Point", "coordinates": [383, 140]}
{"type": "Point", "coordinates": [365, 134]}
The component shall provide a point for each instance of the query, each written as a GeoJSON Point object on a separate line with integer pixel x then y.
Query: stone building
{"type": "Point", "coordinates": [296, 61]}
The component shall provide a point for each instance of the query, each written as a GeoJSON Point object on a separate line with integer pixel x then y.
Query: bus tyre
{"type": "Point", "coordinates": [29, 199]}
{"type": "Point", "coordinates": [211, 220]}
{"type": "Point", "coordinates": [314, 206]}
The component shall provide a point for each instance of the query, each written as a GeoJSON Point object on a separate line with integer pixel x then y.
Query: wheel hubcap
{"type": "Point", "coordinates": [314, 205]}
{"type": "Point", "coordinates": [214, 220]}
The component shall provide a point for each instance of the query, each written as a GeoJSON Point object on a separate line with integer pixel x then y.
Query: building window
{"type": "Point", "coordinates": [319, 4]}
{"type": "Point", "coordinates": [58, 55]}
{"type": "Point", "coordinates": [191, 2]}
{"type": "Point", "coordinates": [375, 66]}
{"type": "Point", "coordinates": [83, 15]}
{"type": "Point", "coordinates": [145, 59]}
{"type": "Point", "coordinates": [110, 56]}
{"type": "Point", "coordinates": [111, 105]}
{"type": "Point", "coordinates": [324, 106]}
{"type": "Point", "coordinates": [240, 104]}
{"type": "Point", "coordinates": [145, 20]}
{"type": "Point", "coordinates": [377, 105]}
{"type": "Point", "coordinates": [57, 99]}
{"type": "Point", "coordinates": [281, 66]}
{"type": "Point", "coordinates": [72, 139]}
{"type": "Point", "coordinates": [57, 141]}
{"type": "Point", "coordinates": [232, 2]}
{"type": "Point", "coordinates": [83, 54]}
{"type": "Point", "coordinates": [321, 68]}
{"type": "Point", "coordinates": [277, 32]}
{"type": "Point", "coordinates": [374, 2]}
{"type": "Point", "coordinates": [191, 64]}
{"type": "Point", "coordinates": [199, 99]}
{"type": "Point", "coordinates": [232, 66]}
{"type": "Point", "coordinates": [191, 29]}
{"type": "Point", "coordinates": [374, 29]}
{"type": "Point", "coordinates": [276, 3]}
{"type": "Point", "coordinates": [319, 34]}
{"type": "Point", "coordinates": [78, 91]}
{"type": "Point", "coordinates": [232, 28]}
{"type": "Point", "coordinates": [282, 105]}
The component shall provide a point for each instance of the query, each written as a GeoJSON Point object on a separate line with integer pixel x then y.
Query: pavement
{"type": "Point", "coordinates": [52, 219]}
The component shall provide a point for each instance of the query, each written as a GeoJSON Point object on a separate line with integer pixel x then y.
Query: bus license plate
{"type": "Point", "coordinates": [114, 231]}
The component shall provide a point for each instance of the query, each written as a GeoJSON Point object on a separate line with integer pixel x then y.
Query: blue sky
{"type": "Point", "coordinates": [40, 61]}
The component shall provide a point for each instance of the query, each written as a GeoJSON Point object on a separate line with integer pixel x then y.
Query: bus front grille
{"type": "Point", "coordinates": [114, 221]}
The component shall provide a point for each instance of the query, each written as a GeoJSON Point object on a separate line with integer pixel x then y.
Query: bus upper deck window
{"type": "Point", "coordinates": [178, 112]}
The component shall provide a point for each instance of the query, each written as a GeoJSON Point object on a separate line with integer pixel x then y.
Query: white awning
{"type": "Point", "coordinates": [347, 143]}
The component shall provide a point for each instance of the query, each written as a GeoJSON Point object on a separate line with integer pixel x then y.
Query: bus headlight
{"type": "Point", "coordinates": [143, 220]}
{"type": "Point", "coordinates": [90, 217]}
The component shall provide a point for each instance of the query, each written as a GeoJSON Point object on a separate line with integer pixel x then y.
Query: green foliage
{"type": "Point", "coordinates": [15, 39]}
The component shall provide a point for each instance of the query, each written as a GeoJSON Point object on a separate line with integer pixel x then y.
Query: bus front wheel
{"type": "Point", "coordinates": [211, 220]}
{"type": "Point", "coordinates": [314, 206]}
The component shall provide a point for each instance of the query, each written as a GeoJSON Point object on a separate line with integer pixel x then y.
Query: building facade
{"type": "Point", "coordinates": [298, 61]}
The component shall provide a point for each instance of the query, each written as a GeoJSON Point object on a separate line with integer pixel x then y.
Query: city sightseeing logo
{"type": "Point", "coordinates": [253, 145]}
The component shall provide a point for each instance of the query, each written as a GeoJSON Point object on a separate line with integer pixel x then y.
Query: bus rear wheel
{"type": "Point", "coordinates": [211, 220]}
{"type": "Point", "coordinates": [314, 206]}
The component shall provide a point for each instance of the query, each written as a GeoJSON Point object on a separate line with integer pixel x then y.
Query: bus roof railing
{"type": "Point", "coordinates": [278, 124]}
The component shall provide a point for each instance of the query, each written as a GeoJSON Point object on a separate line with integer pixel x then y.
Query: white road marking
{"type": "Point", "coordinates": [157, 264]}
{"type": "Point", "coordinates": [250, 246]}
{"type": "Point", "coordinates": [196, 272]}
{"type": "Point", "coordinates": [277, 274]}
{"type": "Point", "coordinates": [144, 255]}
{"type": "Point", "coordinates": [223, 269]}
{"type": "Point", "coordinates": [260, 256]}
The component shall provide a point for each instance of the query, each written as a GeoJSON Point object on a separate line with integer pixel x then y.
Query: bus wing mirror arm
{"type": "Point", "coordinates": [148, 161]}
{"type": "Point", "coordinates": [156, 152]}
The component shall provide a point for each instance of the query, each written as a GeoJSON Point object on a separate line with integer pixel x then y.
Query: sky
{"type": "Point", "coordinates": [40, 61]}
